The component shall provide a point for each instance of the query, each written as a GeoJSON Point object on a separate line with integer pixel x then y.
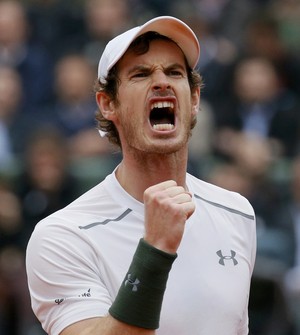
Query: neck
{"type": "Point", "coordinates": [136, 175]}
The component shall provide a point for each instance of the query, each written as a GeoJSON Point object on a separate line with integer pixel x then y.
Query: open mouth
{"type": "Point", "coordinates": [162, 115]}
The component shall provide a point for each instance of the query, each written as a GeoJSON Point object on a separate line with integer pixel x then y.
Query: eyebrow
{"type": "Point", "coordinates": [137, 68]}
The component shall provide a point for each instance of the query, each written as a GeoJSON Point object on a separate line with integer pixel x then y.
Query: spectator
{"type": "Point", "coordinates": [45, 184]}
{"type": "Point", "coordinates": [73, 111]}
{"type": "Point", "coordinates": [263, 39]}
{"type": "Point", "coordinates": [10, 218]}
{"type": "Point", "coordinates": [201, 142]}
{"type": "Point", "coordinates": [30, 60]}
{"type": "Point", "coordinates": [287, 14]}
{"type": "Point", "coordinates": [218, 53]}
{"type": "Point", "coordinates": [260, 106]}
{"type": "Point", "coordinates": [15, 124]}
{"type": "Point", "coordinates": [103, 19]}
{"type": "Point", "coordinates": [10, 99]}
{"type": "Point", "coordinates": [55, 22]}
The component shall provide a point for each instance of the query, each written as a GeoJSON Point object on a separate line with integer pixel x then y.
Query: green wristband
{"type": "Point", "coordinates": [140, 296]}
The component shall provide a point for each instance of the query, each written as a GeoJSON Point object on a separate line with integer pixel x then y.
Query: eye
{"type": "Point", "coordinates": [140, 74]}
{"type": "Point", "coordinates": [176, 73]}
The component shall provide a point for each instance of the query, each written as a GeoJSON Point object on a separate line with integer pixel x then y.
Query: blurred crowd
{"type": "Point", "coordinates": [247, 138]}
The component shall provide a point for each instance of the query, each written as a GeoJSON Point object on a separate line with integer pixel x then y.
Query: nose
{"type": "Point", "coordinates": [160, 81]}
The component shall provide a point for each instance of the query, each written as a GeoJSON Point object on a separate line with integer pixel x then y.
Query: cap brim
{"type": "Point", "coordinates": [177, 31]}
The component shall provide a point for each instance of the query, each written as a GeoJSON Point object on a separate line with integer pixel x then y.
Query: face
{"type": "Point", "coordinates": [155, 106]}
{"type": "Point", "coordinates": [256, 80]}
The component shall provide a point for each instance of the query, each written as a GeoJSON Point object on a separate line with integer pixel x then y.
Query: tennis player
{"type": "Point", "coordinates": [151, 249]}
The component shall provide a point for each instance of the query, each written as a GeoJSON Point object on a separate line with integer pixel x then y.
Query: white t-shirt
{"type": "Point", "coordinates": [77, 259]}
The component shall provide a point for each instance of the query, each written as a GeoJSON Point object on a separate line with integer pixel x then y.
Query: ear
{"type": "Point", "coordinates": [195, 101]}
{"type": "Point", "coordinates": [105, 105]}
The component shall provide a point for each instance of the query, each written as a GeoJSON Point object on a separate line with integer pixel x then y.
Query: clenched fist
{"type": "Point", "coordinates": [167, 207]}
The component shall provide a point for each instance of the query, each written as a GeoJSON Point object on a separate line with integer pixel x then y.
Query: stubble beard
{"type": "Point", "coordinates": [161, 147]}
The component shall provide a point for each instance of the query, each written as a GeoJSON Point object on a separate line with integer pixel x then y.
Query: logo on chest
{"type": "Point", "coordinates": [224, 259]}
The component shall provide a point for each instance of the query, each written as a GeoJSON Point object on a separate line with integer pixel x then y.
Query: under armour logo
{"type": "Point", "coordinates": [59, 301]}
{"type": "Point", "coordinates": [133, 282]}
{"type": "Point", "coordinates": [226, 258]}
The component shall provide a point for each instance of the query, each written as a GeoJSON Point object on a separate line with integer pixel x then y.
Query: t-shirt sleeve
{"type": "Point", "coordinates": [244, 325]}
{"type": "Point", "coordinates": [64, 277]}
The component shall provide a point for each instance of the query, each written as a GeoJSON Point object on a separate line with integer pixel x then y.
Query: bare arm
{"type": "Point", "coordinates": [104, 326]}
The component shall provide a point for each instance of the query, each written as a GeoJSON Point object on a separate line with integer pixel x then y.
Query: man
{"type": "Point", "coordinates": [151, 249]}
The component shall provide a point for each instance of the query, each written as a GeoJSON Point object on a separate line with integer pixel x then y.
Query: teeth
{"type": "Point", "coordinates": [166, 126]}
{"type": "Point", "coordinates": [162, 126]}
{"type": "Point", "coordinates": [162, 104]}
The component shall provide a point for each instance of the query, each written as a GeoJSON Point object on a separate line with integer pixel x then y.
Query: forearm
{"type": "Point", "coordinates": [105, 326]}
{"type": "Point", "coordinates": [114, 327]}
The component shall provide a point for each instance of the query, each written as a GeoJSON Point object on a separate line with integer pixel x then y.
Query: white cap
{"type": "Point", "coordinates": [168, 26]}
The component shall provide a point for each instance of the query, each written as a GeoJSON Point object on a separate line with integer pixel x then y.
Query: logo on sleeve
{"type": "Point", "coordinates": [85, 294]}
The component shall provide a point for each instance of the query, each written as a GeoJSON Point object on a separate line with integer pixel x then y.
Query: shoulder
{"type": "Point", "coordinates": [87, 208]}
{"type": "Point", "coordinates": [220, 197]}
